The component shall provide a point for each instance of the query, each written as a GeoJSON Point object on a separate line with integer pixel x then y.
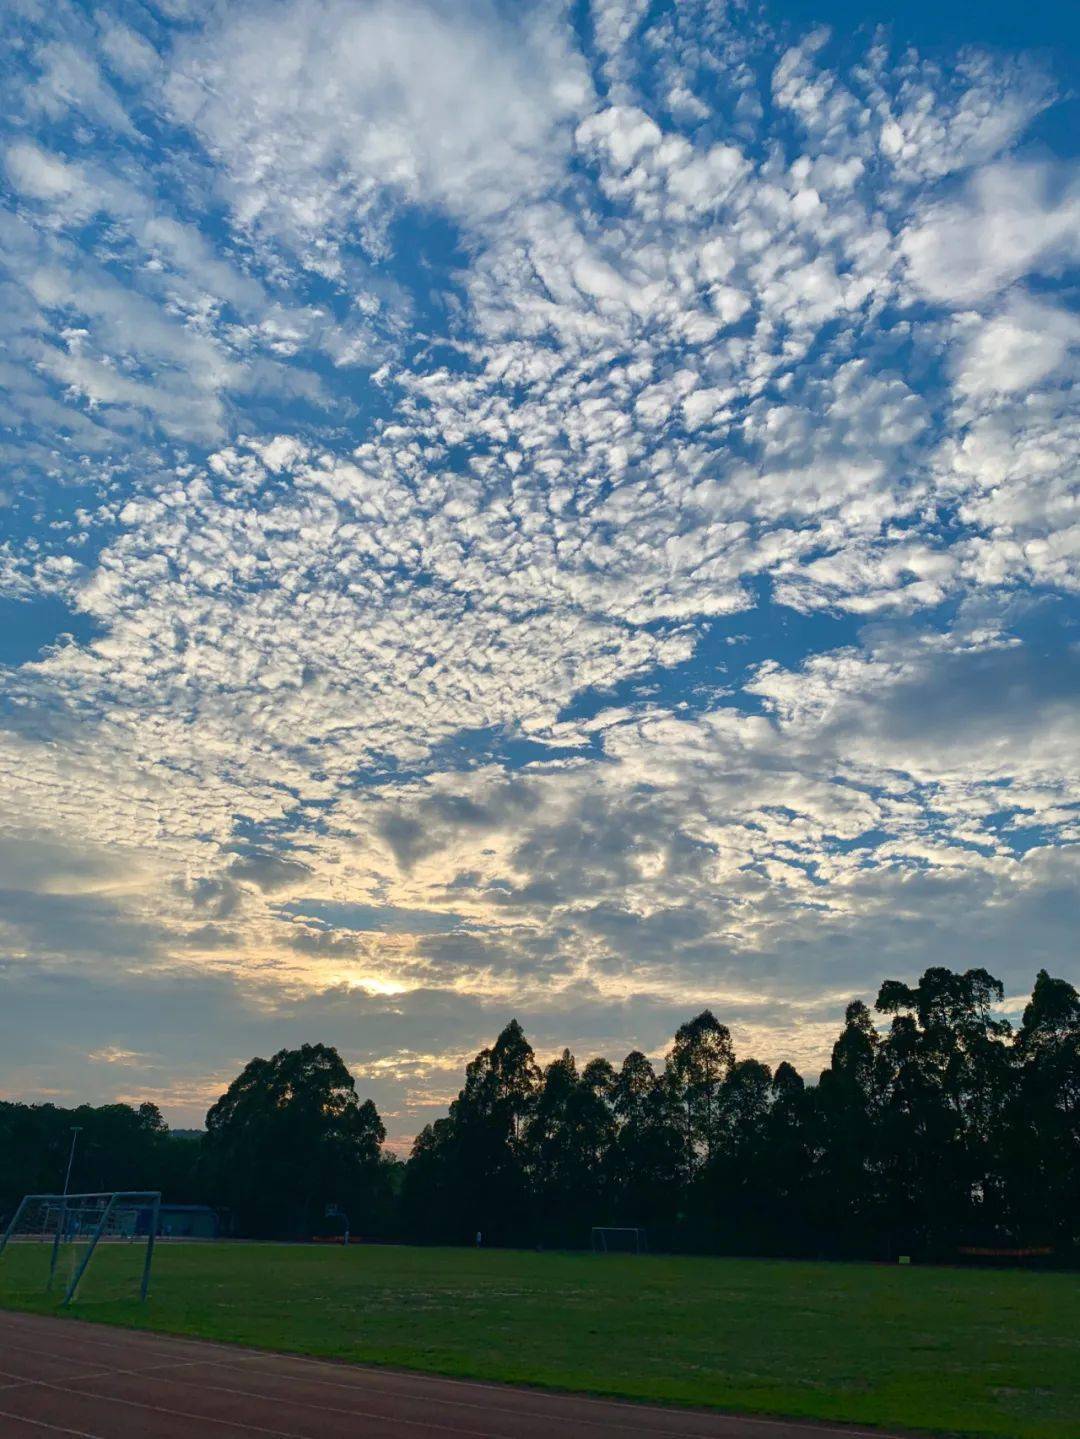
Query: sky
{"type": "Point", "coordinates": [565, 511]}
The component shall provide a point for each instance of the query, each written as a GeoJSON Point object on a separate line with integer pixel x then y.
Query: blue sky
{"type": "Point", "coordinates": [566, 511]}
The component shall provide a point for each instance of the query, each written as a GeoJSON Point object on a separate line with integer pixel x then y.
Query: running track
{"type": "Point", "coordinates": [63, 1377]}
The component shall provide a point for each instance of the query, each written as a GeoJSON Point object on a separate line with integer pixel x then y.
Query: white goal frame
{"type": "Point", "coordinates": [63, 1221]}
{"type": "Point", "coordinates": [600, 1233]}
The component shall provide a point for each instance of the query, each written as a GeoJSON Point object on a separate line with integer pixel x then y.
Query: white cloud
{"type": "Point", "coordinates": [322, 114]}
{"type": "Point", "coordinates": [667, 357]}
{"type": "Point", "coordinates": [1013, 219]}
{"type": "Point", "coordinates": [70, 79]}
{"type": "Point", "coordinates": [1017, 348]}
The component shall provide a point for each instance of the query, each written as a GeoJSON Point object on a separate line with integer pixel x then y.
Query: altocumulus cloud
{"type": "Point", "coordinates": [571, 513]}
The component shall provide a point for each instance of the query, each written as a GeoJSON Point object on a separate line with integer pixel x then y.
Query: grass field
{"type": "Point", "coordinates": [974, 1352]}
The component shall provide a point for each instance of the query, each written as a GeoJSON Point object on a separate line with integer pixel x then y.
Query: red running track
{"type": "Point", "coordinates": [63, 1377]}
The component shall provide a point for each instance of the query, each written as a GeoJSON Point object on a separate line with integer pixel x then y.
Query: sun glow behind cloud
{"type": "Point", "coordinates": [587, 544]}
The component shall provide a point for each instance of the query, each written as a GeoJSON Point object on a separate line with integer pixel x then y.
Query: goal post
{"type": "Point", "coordinates": [619, 1239]}
{"type": "Point", "coordinates": [88, 1220]}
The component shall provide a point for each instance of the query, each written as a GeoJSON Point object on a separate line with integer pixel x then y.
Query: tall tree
{"type": "Point", "coordinates": [790, 1161]}
{"type": "Point", "coordinates": [697, 1066]}
{"type": "Point", "coordinates": [647, 1154]}
{"type": "Point", "coordinates": [1043, 1146]}
{"type": "Point", "coordinates": [290, 1136]}
{"type": "Point", "coordinates": [945, 1127]}
{"type": "Point", "coordinates": [484, 1144]}
{"type": "Point", "coordinates": [948, 1069]}
{"type": "Point", "coordinates": [119, 1147]}
{"type": "Point", "coordinates": [844, 1197]}
{"type": "Point", "coordinates": [736, 1173]}
{"type": "Point", "coordinates": [568, 1141]}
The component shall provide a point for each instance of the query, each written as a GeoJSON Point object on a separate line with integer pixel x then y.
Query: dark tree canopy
{"type": "Point", "coordinates": [935, 1126]}
{"type": "Point", "coordinates": [941, 1129]}
{"type": "Point", "coordinates": [119, 1147]}
{"type": "Point", "coordinates": [288, 1137]}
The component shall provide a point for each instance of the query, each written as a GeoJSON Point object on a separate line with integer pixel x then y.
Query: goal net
{"type": "Point", "coordinates": [51, 1239]}
{"type": "Point", "coordinates": [618, 1239]}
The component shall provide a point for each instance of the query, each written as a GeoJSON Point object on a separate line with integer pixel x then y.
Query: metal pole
{"type": "Point", "coordinates": [10, 1230]}
{"type": "Point", "coordinates": [76, 1130]}
{"type": "Point", "coordinates": [61, 1226]}
{"type": "Point", "coordinates": [98, 1232]}
{"type": "Point", "coordinates": [155, 1220]}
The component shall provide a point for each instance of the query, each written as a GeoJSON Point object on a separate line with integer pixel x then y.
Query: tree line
{"type": "Point", "coordinates": [940, 1127]}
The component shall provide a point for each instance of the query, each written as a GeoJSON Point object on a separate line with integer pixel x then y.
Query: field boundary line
{"type": "Point", "coordinates": [92, 1328]}
{"type": "Point", "coordinates": [101, 1370]}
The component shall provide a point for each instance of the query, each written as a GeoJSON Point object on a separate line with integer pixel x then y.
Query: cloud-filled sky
{"type": "Point", "coordinates": [539, 509]}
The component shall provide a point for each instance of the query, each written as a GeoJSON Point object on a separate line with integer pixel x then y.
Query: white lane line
{"type": "Point", "coordinates": [53, 1428]}
{"type": "Point", "coordinates": [18, 1379]}
{"type": "Point", "coordinates": [511, 1412]}
{"type": "Point", "coordinates": [428, 1424]}
{"type": "Point", "coordinates": [366, 1372]}
{"type": "Point", "coordinates": [308, 1407]}
{"type": "Point", "coordinates": [122, 1341]}
{"type": "Point", "coordinates": [101, 1372]}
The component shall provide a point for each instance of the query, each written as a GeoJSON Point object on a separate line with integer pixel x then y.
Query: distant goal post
{"type": "Point", "coordinates": [88, 1219]}
{"type": "Point", "coordinates": [619, 1239]}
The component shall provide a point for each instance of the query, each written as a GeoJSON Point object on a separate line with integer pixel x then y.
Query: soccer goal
{"type": "Point", "coordinates": [74, 1226]}
{"type": "Point", "coordinates": [618, 1239]}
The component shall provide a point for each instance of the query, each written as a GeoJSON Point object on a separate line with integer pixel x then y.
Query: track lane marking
{"type": "Point", "coordinates": [366, 1372]}
{"type": "Point", "coordinates": [254, 1428]}
{"type": "Point", "coordinates": [397, 1419]}
{"type": "Point", "coordinates": [152, 1373]}
{"type": "Point", "coordinates": [18, 1379]}
{"type": "Point", "coordinates": [53, 1428]}
{"type": "Point", "coordinates": [100, 1373]}
{"type": "Point", "coordinates": [512, 1413]}
{"type": "Point", "coordinates": [89, 1328]}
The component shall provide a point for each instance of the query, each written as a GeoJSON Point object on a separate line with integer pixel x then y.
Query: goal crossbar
{"type": "Point", "coordinates": [100, 1206]}
{"type": "Point", "coordinates": [600, 1234]}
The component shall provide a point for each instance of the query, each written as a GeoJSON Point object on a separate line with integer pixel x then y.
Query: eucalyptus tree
{"type": "Point", "coordinates": [1043, 1147]}
{"type": "Point", "coordinates": [697, 1066]}
{"type": "Point", "coordinates": [290, 1136]}
{"type": "Point", "coordinates": [948, 1070]}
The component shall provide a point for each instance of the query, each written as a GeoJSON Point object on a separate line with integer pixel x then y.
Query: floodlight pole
{"type": "Point", "coordinates": [61, 1224]}
{"type": "Point", "coordinates": [76, 1130]}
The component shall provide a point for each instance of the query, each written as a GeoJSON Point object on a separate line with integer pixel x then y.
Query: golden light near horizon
{"type": "Point", "coordinates": [583, 545]}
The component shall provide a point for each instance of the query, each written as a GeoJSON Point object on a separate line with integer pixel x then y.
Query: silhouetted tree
{"type": "Point", "coordinates": [845, 1193]}
{"type": "Point", "coordinates": [947, 1075]}
{"type": "Point", "coordinates": [290, 1136]}
{"type": "Point", "coordinates": [1043, 1143]}
{"type": "Point", "coordinates": [567, 1144]}
{"type": "Point", "coordinates": [947, 1129]}
{"type": "Point", "coordinates": [697, 1066]}
{"type": "Point", "coordinates": [647, 1154]}
{"type": "Point", "coordinates": [479, 1153]}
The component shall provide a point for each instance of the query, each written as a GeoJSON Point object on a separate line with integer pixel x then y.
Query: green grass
{"type": "Point", "coordinates": [975, 1352]}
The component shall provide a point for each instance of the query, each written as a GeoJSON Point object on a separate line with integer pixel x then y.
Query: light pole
{"type": "Point", "coordinates": [61, 1222]}
{"type": "Point", "coordinates": [76, 1129]}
